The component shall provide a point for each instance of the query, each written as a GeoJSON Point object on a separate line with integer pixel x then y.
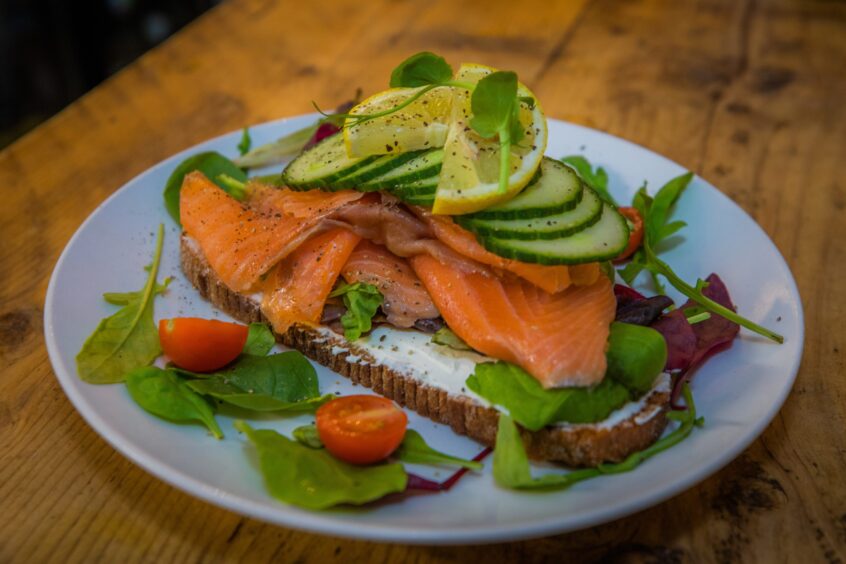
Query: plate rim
{"type": "Point", "coordinates": [323, 523]}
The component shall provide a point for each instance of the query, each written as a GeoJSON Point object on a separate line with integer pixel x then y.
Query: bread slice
{"type": "Point", "coordinates": [573, 445]}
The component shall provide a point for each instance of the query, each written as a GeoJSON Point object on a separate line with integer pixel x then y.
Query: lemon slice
{"type": "Point", "coordinates": [423, 124]}
{"type": "Point", "coordinates": [469, 179]}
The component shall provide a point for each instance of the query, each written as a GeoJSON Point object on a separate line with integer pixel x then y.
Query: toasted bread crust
{"type": "Point", "coordinates": [574, 445]}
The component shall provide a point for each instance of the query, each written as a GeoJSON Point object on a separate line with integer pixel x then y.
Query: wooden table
{"type": "Point", "coordinates": [747, 94]}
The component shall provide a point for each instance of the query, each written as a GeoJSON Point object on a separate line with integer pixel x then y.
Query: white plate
{"type": "Point", "coordinates": [738, 391]}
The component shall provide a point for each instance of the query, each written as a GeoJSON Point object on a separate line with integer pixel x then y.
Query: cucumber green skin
{"type": "Point", "coordinates": [517, 228]}
{"type": "Point", "coordinates": [377, 168]}
{"type": "Point", "coordinates": [390, 181]}
{"type": "Point", "coordinates": [535, 211]}
{"type": "Point", "coordinates": [325, 181]}
{"type": "Point", "coordinates": [425, 200]}
{"type": "Point", "coordinates": [429, 183]}
{"type": "Point", "coordinates": [505, 248]}
{"type": "Point", "coordinates": [418, 190]}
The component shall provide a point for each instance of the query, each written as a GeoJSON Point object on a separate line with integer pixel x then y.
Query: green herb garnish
{"type": "Point", "coordinates": [421, 69]}
{"type": "Point", "coordinates": [696, 315]}
{"type": "Point", "coordinates": [245, 143]}
{"type": "Point", "coordinates": [361, 300]}
{"type": "Point", "coordinates": [496, 112]}
{"type": "Point", "coordinates": [127, 339]}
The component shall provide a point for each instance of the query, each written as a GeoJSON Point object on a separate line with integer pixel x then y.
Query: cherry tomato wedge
{"type": "Point", "coordinates": [636, 235]}
{"type": "Point", "coordinates": [201, 345]}
{"type": "Point", "coordinates": [361, 429]}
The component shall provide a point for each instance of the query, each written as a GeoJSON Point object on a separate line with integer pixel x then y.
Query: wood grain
{"type": "Point", "coordinates": [748, 94]}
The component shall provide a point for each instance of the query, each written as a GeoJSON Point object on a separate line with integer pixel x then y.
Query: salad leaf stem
{"type": "Point", "coordinates": [414, 449]}
{"type": "Point", "coordinates": [246, 142]}
{"type": "Point", "coordinates": [235, 187]}
{"type": "Point", "coordinates": [695, 294]}
{"type": "Point", "coordinates": [361, 118]}
{"type": "Point", "coordinates": [504, 157]}
{"type": "Point", "coordinates": [128, 339]}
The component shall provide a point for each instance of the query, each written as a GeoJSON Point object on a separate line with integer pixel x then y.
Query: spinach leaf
{"type": "Point", "coordinates": [361, 300]}
{"type": "Point", "coordinates": [164, 394]}
{"type": "Point", "coordinates": [533, 406]}
{"type": "Point", "coordinates": [212, 164]}
{"type": "Point", "coordinates": [421, 69]}
{"type": "Point", "coordinates": [445, 337]}
{"type": "Point", "coordinates": [308, 436]}
{"type": "Point", "coordinates": [415, 450]}
{"type": "Point", "coordinates": [313, 478]}
{"type": "Point", "coordinates": [245, 143]}
{"type": "Point", "coordinates": [280, 382]}
{"type": "Point", "coordinates": [511, 465]}
{"type": "Point", "coordinates": [260, 340]}
{"type": "Point", "coordinates": [596, 179]}
{"type": "Point", "coordinates": [636, 355]}
{"type": "Point", "coordinates": [128, 338]}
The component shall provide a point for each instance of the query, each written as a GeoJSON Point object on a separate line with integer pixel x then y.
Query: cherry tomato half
{"type": "Point", "coordinates": [636, 235]}
{"type": "Point", "coordinates": [361, 429]}
{"type": "Point", "coordinates": [201, 345]}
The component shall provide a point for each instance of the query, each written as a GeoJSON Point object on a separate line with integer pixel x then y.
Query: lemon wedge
{"type": "Point", "coordinates": [469, 179]}
{"type": "Point", "coordinates": [422, 124]}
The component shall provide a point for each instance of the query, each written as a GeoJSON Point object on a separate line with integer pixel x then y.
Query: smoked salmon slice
{"type": "Point", "coordinates": [406, 299]}
{"type": "Point", "coordinates": [311, 204]}
{"type": "Point", "coordinates": [243, 241]}
{"type": "Point", "coordinates": [558, 338]}
{"type": "Point", "coordinates": [297, 289]}
{"type": "Point", "coordinates": [550, 278]}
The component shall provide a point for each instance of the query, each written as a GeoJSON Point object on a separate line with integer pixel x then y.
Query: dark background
{"type": "Point", "coordinates": [53, 51]}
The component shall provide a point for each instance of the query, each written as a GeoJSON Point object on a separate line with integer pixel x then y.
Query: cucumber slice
{"type": "Point", "coordinates": [322, 165]}
{"type": "Point", "coordinates": [425, 164]}
{"type": "Point", "coordinates": [424, 184]}
{"type": "Point", "coordinates": [557, 190]}
{"type": "Point", "coordinates": [425, 187]}
{"type": "Point", "coordinates": [585, 214]}
{"type": "Point", "coordinates": [384, 164]}
{"type": "Point", "coordinates": [420, 193]}
{"type": "Point", "coordinates": [425, 200]}
{"type": "Point", "coordinates": [603, 240]}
